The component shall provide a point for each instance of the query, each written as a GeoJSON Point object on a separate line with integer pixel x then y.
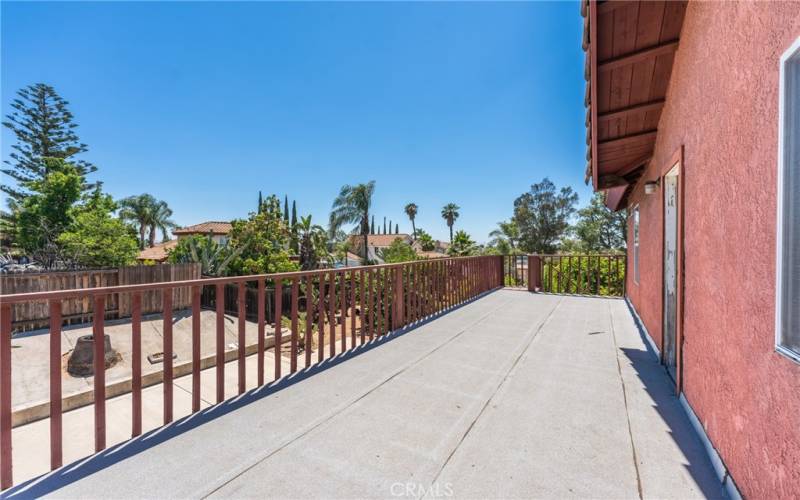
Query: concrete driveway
{"type": "Point", "coordinates": [514, 395]}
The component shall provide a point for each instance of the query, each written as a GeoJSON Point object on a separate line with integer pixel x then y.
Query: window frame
{"type": "Point", "coordinates": [792, 52]}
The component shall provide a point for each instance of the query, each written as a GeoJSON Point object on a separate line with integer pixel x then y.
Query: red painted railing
{"type": "Point", "coordinates": [387, 298]}
{"type": "Point", "coordinates": [577, 274]}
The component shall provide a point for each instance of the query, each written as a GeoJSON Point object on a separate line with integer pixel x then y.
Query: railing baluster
{"type": "Point", "coordinates": [352, 309]}
{"type": "Point", "coordinates": [136, 364]}
{"type": "Point", "coordinates": [371, 304]}
{"type": "Point", "coordinates": [332, 313]}
{"type": "Point", "coordinates": [295, 330]}
{"type": "Point", "coordinates": [220, 354]}
{"type": "Point", "coordinates": [55, 385]}
{"type": "Point", "coordinates": [278, 325]}
{"type": "Point", "coordinates": [597, 276]}
{"type": "Point", "coordinates": [241, 342]}
{"type": "Point", "coordinates": [343, 307]}
{"type": "Point", "coordinates": [412, 293]}
{"type": "Point", "coordinates": [386, 299]}
{"type": "Point", "coordinates": [308, 335]}
{"type": "Point", "coordinates": [196, 290]}
{"type": "Point", "coordinates": [362, 310]}
{"type": "Point", "coordinates": [98, 337]}
{"type": "Point", "coordinates": [166, 297]}
{"type": "Point", "coordinates": [440, 286]}
{"type": "Point", "coordinates": [6, 478]}
{"type": "Point", "coordinates": [261, 305]}
{"type": "Point", "coordinates": [321, 318]}
{"type": "Point", "coordinates": [380, 301]}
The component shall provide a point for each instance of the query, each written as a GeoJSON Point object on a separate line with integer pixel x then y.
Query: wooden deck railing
{"type": "Point", "coordinates": [586, 274]}
{"type": "Point", "coordinates": [375, 299]}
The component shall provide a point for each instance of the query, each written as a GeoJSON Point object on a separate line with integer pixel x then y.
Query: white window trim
{"type": "Point", "coordinates": [791, 51]}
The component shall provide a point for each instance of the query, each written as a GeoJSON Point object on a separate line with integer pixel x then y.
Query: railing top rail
{"type": "Point", "coordinates": [225, 280]}
{"type": "Point", "coordinates": [577, 255]}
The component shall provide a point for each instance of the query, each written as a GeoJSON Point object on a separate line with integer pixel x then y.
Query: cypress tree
{"type": "Point", "coordinates": [260, 202]}
{"type": "Point", "coordinates": [384, 225]}
{"type": "Point", "coordinates": [372, 227]}
{"type": "Point", "coordinates": [44, 128]}
{"type": "Point", "coordinates": [286, 208]}
{"type": "Point", "coordinates": [397, 229]}
{"type": "Point", "coordinates": [293, 229]}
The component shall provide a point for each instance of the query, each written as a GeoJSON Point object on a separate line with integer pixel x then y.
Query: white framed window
{"type": "Point", "coordinates": [635, 218]}
{"type": "Point", "coordinates": [787, 307]}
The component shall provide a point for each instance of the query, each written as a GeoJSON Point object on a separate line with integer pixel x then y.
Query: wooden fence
{"type": "Point", "coordinates": [33, 315]}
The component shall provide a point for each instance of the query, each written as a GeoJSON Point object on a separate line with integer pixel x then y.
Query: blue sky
{"type": "Point", "coordinates": [203, 104]}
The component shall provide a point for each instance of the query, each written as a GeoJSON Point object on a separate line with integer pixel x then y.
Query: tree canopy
{"type": "Point", "coordinates": [44, 128]}
{"type": "Point", "coordinates": [352, 206]}
{"type": "Point", "coordinates": [543, 216]}
{"type": "Point", "coordinates": [598, 228]}
{"type": "Point", "coordinates": [462, 245]}
{"type": "Point", "coordinates": [450, 214]}
{"type": "Point", "coordinates": [398, 251]}
{"type": "Point", "coordinates": [95, 238]}
{"type": "Point", "coordinates": [263, 240]}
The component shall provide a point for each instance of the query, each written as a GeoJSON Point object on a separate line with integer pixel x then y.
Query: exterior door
{"type": "Point", "coordinates": [671, 242]}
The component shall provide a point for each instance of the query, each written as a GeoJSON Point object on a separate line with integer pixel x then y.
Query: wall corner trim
{"type": "Point", "coordinates": [724, 476]}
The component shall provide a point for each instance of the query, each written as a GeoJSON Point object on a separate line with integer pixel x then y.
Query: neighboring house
{"type": "Point", "coordinates": [693, 117]}
{"type": "Point", "coordinates": [377, 242]}
{"type": "Point", "coordinates": [352, 260]}
{"type": "Point", "coordinates": [431, 255]}
{"type": "Point", "coordinates": [218, 230]}
{"type": "Point", "coordinates": [440, 247]}
{"type": "Point", "coordinates": [157, 253]}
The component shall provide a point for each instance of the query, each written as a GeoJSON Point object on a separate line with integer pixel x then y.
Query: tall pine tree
{"type": "Point", "coordinates": [44, 128]}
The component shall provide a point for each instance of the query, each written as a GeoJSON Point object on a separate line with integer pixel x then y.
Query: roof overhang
{"type": "Point", "coordinates": [630, 48]}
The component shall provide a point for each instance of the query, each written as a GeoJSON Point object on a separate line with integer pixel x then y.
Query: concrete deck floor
{"type": "Point", "coordinates": [513, 395]}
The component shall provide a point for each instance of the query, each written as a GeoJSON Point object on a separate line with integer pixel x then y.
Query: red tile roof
{"type": "Point", "coordinates": [380, 240]}
{"type": "Point", "coordinates": [157, 253]}
{"type": "Point", "coordinates": [214, 227]}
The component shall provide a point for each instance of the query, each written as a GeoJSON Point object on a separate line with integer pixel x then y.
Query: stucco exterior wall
{"type": "Point", "coordinates": [722, 107]}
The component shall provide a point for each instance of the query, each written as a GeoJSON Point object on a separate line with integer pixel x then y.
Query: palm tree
{"type": "Point", "coordinates": [462, 244]}
{"type": "Point", "coordinates": [411, 211]}
{"type": "Point", "coordinates": [138, 211]}
{"type": "Point", "coordinates": [312, 240]}
{"type": "Point", "coordinates": [505, 237]}
{"type": "Point", "coordinates": [352, 207]}
{"type": "Point", "coordinates": [146, 214]}
{"type": "Point", "coordinates": [160, 219]}
{"type": "Point", "coordinates": [450, 214]}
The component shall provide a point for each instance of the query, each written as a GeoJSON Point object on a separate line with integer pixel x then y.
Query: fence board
{"type": "Point", "coordinates": [35, 314]}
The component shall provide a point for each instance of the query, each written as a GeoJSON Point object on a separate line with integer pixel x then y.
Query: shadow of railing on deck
{"type": "Point", "coordinates": [52, 481]}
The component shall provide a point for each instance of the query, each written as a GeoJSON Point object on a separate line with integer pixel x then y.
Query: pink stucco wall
{"type": "Point", "coordinates": [722, 107]}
